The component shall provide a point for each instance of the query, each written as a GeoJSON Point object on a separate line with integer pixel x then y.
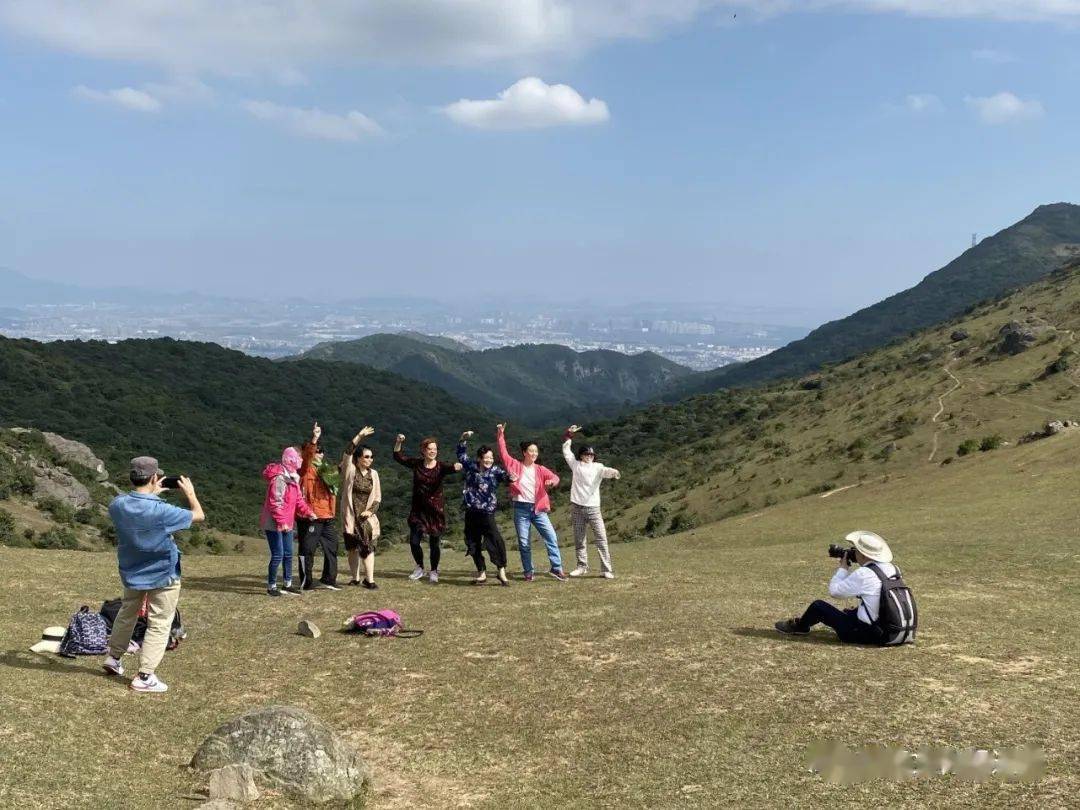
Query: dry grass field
{"type": "Point", "coordinates": [666, 687]}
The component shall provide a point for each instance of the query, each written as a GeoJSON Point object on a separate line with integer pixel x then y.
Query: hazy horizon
{"type": "Point", "coordinates": [748, 154]}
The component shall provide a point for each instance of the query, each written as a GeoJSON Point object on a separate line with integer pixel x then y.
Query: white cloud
{"type": "Point", "coordinates": [923, 103]}
{"type": "Point", "coordinates": [529, 104]}
{"type": "Point", "coordinates": [280, 37]}
{"type": "Point", "coordinates": [315, 123]}
{"type": "Point", "coordinates": [993, 56]}
{"type": "Point", "coordinates": [1004, 108]}
{"type": "Point", "coordinates": [126, 97]}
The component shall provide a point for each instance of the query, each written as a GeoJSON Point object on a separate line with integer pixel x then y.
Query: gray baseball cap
{"type": "Point", "coordinates": [145, 467]}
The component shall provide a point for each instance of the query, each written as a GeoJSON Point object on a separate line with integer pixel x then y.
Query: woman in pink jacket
{"type": "Point", "coordinates": [529, 487]}
{"type": "Point", "coordinates": [284, 501]}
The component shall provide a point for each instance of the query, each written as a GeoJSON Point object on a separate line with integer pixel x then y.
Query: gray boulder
{"type": "Point", "coordinates": [290, 750]}
{"type": "Point", "coordinates": [56, 482]}
{"type": "Point", "coordinates": [308, 628]}
{"type": "Point", "coordinates": [234, 783]}
{"type": "Point", "coordinates": [958, 335]}
{"type": "Point", "coordinates": [75, 452]}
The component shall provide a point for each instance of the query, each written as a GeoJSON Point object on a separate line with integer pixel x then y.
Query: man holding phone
{"type": "Point", "coordinates": [149, 564]}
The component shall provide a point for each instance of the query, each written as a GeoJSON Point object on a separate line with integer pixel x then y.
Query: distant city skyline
{"type": "Point", "coordinates": [767, 156]}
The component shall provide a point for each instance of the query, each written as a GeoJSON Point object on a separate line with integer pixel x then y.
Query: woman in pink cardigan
{"type": "Point", "coordinates": [529, 487]}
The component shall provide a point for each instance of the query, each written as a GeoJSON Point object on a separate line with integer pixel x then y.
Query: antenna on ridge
{"type": "Point", "coordinates": [974, 239]}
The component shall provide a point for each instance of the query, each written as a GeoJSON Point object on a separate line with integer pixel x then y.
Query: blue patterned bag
{"type": "Point", "coordinates": [87, 634]}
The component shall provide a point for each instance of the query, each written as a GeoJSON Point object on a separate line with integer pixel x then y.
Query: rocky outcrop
{"type": "Point", "coordinates": [290, 750]}
{"type": "Point", "coordinates": [958, 335]}
{"type": "Point", "coordinates": [73, 452]}
{"type": "Point", "coordinates": [1051, 428]}
{"type": "Point", "coordinates": [56, 482]}
{"type": "Point", "coordinates": [1018, 336]}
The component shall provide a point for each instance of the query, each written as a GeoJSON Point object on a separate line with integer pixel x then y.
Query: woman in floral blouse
{"type": "Point", "coordinates": [480, 496]}
{"type": "Point", "coordinates": [428, 512]}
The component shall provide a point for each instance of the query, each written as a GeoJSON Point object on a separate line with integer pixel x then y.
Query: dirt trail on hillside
{"type": "Point", "coordinates": [941, 407]}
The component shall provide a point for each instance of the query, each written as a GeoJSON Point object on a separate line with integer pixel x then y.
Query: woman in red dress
{"type": "Point", "coordinates": [427, 515]}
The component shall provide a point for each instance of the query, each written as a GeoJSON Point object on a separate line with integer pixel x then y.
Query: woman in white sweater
{"type": "Point", "coordinates": [585, 504]}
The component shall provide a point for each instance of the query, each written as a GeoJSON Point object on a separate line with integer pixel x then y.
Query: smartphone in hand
{"type": "Point", "coordinates": [170, 482]}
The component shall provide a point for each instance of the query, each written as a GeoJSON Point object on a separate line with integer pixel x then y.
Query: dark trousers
{"type": "Point", "coordinates": [847, 625]}
{"type": "Point", "coordinates": [416, 534]}
{"type": "Point", "coordinates": [317, 534]}
{"type": "Point", "coordinates": [482, 532]}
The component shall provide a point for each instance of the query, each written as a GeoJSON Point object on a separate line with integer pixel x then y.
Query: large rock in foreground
{"type": "Point", "coordinates": [292, 751]}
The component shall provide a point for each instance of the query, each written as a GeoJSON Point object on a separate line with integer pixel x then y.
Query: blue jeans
{"type": "Point", "coordinates": [280, 554]}
{"type": "Point", "coordinates": [526, 516]}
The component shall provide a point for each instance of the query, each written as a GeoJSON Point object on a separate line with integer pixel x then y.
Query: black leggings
{"type": "Point", "coordinates": [481, 532]}
{"type": "Point", "coordinates": [846, 623]}
{"type": "Point", "coordinates": [416, 535]}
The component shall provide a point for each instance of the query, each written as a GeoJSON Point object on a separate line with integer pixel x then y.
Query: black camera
{"type": "Point", "coordinates": [842, 552]}
{"type": "Point", "coordinates": [173, 482]}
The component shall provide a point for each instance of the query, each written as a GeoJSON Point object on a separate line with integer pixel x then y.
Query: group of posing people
{"type": "Point", "coordinates": [306, 497]}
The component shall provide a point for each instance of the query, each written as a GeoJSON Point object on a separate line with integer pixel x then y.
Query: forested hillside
{"type": "Point", "coordinates": [1018, 255]}
{"type": "Point", "coordinates": [219, 415]}
{"type": "Point", "coordinates": [536, 383]}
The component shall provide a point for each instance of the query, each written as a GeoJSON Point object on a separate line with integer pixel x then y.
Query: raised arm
{"type": "Point", "coordinates": [400, 457]}
{"type": "Point", "coordinates": [463, 451]}
{"type": "Point", "coordinates": [357, 440]}
{"type": "Point", "coordinates": [500, 440]}
{"type": "Point", "coordinates": [609, 472]}
{"type": "Point", "coordinates": [568, 455]}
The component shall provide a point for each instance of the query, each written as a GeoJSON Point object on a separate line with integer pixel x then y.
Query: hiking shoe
{"type": "Point", "coordinates": [113, 666]}
{"type": "Point", "coordinates": [330, 586]}
{"type": "Point", "coordinates": [790, 627]}
{"type": "Point", "coordinates": [558, 574]}
{"type": "Point", "coordinates": [371, 586]}
{"type": "Point", "coordinates": [417, 574]}
{"type": "Point", "coordinates": [292, 590]}
{"type": "Point", "coordinates": [433, 577]}
{"type": "Point", "coordinates": [133, 647]}
{"type": "Point", "coordinates": [273, 591]}
{"type": "Point", "coordinates": [609, 575]}
{"type": "Point", "coordinates": [355, 581]}
{"type": "Point", "coordinates": [148, 683]}
{"type": "Point", "coordinates": [580, 571]}
{"type": "Point", "coordinates": [481, 578]}
{"type": "Point", "coordinates": [529, 577]}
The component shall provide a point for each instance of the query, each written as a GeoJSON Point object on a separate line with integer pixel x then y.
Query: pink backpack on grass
{"type": "Point", "coordinates": [380, 623]}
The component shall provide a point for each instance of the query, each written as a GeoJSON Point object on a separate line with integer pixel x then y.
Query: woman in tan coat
{"type": "Point", "coordinates": [358, 504]}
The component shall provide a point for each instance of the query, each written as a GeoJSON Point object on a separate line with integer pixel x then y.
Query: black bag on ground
{"type": "Point", "coordinates": [110, 609]}
{"type": "Point", "coordinates": [898, 618]}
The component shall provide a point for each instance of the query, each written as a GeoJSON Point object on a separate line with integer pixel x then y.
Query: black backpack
{"type": "Point", "coordinates": [898, 618]}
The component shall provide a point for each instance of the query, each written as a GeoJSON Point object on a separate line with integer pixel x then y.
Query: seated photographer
{"type": "Point", "coordinates": [857, 625]}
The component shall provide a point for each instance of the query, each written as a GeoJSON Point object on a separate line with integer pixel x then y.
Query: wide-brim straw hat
{"type": "Point", "coordinates": [50, 640]}
{"type": "Point", "coordinates": [871, 545]}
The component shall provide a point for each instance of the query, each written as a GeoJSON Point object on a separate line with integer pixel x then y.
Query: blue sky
{"type": "Point", "coordinates": [812, 160]}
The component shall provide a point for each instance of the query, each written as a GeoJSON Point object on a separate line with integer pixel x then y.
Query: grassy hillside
{"type": "Point", "coordinates": [1011, 258]}
{"type": "Point", "coordinates": [899, 411]}
{"type": "Point", "coordinates": [531, 382]}
{"type": "Point", "coordinates": [218, 415]}
{"type": "Point", "coordinates": [664, 688]}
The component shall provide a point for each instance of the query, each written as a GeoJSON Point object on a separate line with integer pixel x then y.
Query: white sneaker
{"type": "Point", "coordinates": [580, 571]}
{"type": "Point", "coordinates": [609, 575]}
{"type": "Point", "coordinates": [434, 577]}
{"type": "Point", "coordinates": [113, 666]}
{"type": "Point", "coordinates": [151, 683]}
{"type": "Point", "coordinates": [417, 574]}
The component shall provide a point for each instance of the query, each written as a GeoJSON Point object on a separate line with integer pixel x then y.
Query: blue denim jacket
{"type": "Point", "coordinates": [145, 550]}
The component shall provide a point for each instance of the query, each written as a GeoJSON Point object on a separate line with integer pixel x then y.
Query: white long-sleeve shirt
{"type": "Point", "coordinates": [863, 584]}
{"type": "Point", "coordinates": [585, 488]}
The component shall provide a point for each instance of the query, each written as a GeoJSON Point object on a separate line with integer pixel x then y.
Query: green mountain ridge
{"type": "Point", "coordinates": [533, 382]}
{"type": "Point", "coordinates": [1011, 258]}
{"type": "Point", "coordinates": [217, 414]}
